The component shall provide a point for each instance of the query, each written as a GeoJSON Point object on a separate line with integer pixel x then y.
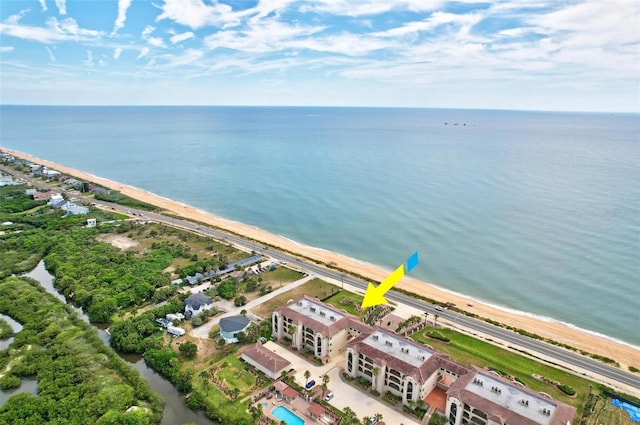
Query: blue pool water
{"type": "Point", "coordinates": [287, 415]}
{"type": "Point", "coordinates": [265, 405]}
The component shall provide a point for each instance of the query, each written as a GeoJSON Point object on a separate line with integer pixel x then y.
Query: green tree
{"type": "Point", "coordinates": [325, 384]}
{"type": "Point", "coordinates": [189, 349]}
{"type": "Point", "coordinates": [307, 375]}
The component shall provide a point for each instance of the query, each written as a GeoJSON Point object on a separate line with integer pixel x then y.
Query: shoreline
{"type": "Point", "coordinates": [566, 333]}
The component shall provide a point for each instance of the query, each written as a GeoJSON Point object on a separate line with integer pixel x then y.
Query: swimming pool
{"type": "Point", "coordinates": [265, 405]}
{"type": "Point", "coordinates": [287, 415]}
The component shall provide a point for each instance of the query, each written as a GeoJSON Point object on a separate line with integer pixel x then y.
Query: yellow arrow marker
{"type": "Point", "coordinates": [375, 295]}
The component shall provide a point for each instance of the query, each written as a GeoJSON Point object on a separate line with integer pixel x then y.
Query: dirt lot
{"type": "Point", "coordinates": [119, 241]}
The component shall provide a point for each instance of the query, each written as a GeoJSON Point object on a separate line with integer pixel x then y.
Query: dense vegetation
{"type": "Point", "coordinates": [5, 329]}
{"type": "Point", "coordinates": [15, 200]}
{"type": "Point", "coordinates": [79, 379]}
{"type": "Point", "coordinates": [99, 277]}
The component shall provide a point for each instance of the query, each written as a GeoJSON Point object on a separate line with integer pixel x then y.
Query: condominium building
{"type": "Point", "coordinates": [480, 398]}
{"type": "Point", "coordinates": [310, 323]}
{"type": "Point", "coordinates": [412, 371]}
{"type": "Point", "coordinates": [398, 365]}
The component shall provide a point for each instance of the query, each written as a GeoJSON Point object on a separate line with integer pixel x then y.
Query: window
{"type": "Point", "coordinates": [453, 413]}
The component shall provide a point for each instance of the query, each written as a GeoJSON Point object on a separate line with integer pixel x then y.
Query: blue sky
{"type": "Point", "coordinates": [526, 54]}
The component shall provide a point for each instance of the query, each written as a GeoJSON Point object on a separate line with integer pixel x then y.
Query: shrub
{"type": "Point", "coordinates": [567, 389]}
{"type": "Point", "coordinates": [9, 381]}
{"type": "Point", "coordinates": [437, 335]}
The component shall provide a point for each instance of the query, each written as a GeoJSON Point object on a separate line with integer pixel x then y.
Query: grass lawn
{"type": "Point", "coordinates": [350, 308]}
{"type": "Point", "coordinates": [314, 288]}
{"type": "Point", "coordinates": [231, 371]}
{"type": "Point", "coordinates": [281, 275]}
{"type": "Point", "coordinates": [471, 351]}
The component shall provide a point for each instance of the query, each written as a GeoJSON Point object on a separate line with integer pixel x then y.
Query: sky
{"type": "Point", "coordinates": [569, 55]}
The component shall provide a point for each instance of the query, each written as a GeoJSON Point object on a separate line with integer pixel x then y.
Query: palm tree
{"type": "Point", "coordinates": [376, 371]}
{"type": "Point", "coordinates": [349, 414]}
{"type": "Point", "coordinates": [426, 315]}
{"type": "Point", "coordinates": [307, 375]}
{"type": "Point", "coordinates": [366, 420]}
{"type": "Point", "coordinates": [435, 321]}
{"type": "Point", "coordinates": [378, 416]}
{"type": "Point", "coordinates": [325, 384]}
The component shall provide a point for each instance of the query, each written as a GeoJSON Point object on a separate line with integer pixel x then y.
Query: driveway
{"type": "Point", "coordinates": [202, 332]}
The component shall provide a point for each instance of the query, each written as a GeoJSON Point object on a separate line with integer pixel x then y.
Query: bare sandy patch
{"type": "Point", "coordinates": [119, 241]}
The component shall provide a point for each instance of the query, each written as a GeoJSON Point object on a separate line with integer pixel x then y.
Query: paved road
{"type": "Point", "coordinates": [535, 347]}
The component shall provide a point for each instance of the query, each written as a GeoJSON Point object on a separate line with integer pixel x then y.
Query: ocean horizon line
{"type": "Point", "coordinates": [374, 107]}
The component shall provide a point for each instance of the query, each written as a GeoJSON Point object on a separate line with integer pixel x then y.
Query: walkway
{"type": "Point", "coordinates": [203, 331]}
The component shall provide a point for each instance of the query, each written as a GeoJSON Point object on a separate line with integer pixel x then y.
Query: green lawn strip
{"type": "Point", "coordinates": [350, 308]}
{"type": "Point", "coordinates": [471, 351]}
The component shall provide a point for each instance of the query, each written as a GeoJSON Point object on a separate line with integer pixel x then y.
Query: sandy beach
{"type": "Point", "coordinates": [625, 354]}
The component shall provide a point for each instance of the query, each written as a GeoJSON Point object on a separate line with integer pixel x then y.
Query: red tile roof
{"type": "Point", "coordinates": [316, 410]}
{"type": "Point", "coordinates": [290, 393]}
{"type": "Point", "coordinates": [266, 358]}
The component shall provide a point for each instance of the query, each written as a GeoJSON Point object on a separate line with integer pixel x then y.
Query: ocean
{"type": "Point", "coordinates": [532, 211]}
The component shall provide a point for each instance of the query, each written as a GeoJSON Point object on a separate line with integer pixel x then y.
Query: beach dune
{"type": "Point", "coordinates": [625, 354]}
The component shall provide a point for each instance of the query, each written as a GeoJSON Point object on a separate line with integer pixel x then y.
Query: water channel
{"type": "Point", "coordinates": [175, 410]}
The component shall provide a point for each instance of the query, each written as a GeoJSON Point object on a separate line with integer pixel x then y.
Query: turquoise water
{"type": "Point", "coordinates": [287, 415]}
{"type": "Point", "coordinates": [534, 211]}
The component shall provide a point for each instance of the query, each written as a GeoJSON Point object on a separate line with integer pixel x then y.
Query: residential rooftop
{"type": "Point", "coordinates": [316, 311]}
{"type": "Point", "coordinates": [512, 398]}
{"type": "Point", "coordinates": [400, 348]}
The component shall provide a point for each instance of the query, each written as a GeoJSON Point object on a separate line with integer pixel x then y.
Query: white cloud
{"type": "Point", "coordinates": [264, 36]}
{"type": "Point", "coordinates": [6, 49]}
{"type": "Point", "coordinates": [62, 6]}
{"type": "Point", "coordinates": [181, 37]}
{"type": "Point", "coordinates": [123, 5]}
{"type": "Point", "coordinates": [156, 41]}
{"type": "Point", "coordinates": [117, 52]}
{"type": "Point", "coordinates": [43, 4]}
{"type": "Point", "coordinates": [197, 14]}
{"type": "Point", "coordinates": [89, 60]}
{"type": "Point", "coordinates": [56, 31]}
{"type": "Point", "coordinates": [52, 58]}
{"type": "Point", "coordinates": [369, 7]}
{"type": "Point", "coordinates": [15, 19]}
{"type": "Point", "coordinates": [147, 31]}
{"type": "Point", "coordinates": [143, 52]}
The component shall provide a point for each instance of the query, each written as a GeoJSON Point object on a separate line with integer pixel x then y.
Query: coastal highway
{"type": "Point", "coordinates": [562, 357]}
{"type": "Point", "coordinates": [555, 355]}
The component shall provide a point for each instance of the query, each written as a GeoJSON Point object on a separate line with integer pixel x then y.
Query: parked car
{"type": "Point", "coordinates": [328, 396]}
{"type": "Point", "coordinates": [310, 384]}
